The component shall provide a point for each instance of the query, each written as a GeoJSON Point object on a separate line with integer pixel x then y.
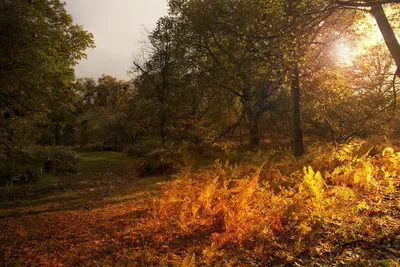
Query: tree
{"type": "Point", "coordinates": [103, 112]}
{"type": "Point", "coordinates": [375, 7]}
{"type": "Point", "coordinates": [344, 100]}
{"type": "Point", "coordinates": [157, 70]}
{"type": "Point", "coordinates": [106, 92]}
{"type": "Point", "coordinates": [249, 53]}
{"type": "Point", "coordinates": [39, 46]}
{"type": "Point", "coordinates": [233, 48]}
{"type": "Point", "coordinates": [308, 25]}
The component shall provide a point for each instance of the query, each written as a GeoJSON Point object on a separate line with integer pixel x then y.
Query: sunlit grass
{"type": "Point", "coordinates": [102, 157]}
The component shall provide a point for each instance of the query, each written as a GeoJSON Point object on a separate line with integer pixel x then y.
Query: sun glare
{"type": "Point", "coordinates": [368, 35]}
{"type": "Point", "coordinates": [370, 31]}
{"type": "Point", "coordinates": [343, 51]}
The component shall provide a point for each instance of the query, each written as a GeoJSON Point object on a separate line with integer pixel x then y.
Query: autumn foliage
{"type": "Point", "coordinates": [271, 212]}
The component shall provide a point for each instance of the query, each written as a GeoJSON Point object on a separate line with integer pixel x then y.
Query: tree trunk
{"type": "Point", "coordinates": [133, 137]}
{"type": "Point", "coordinates": [115, 141]}
{"type": "Point", "coordinates": [163, 119]}
{"type": "Point", "coordinates": [85, 132]}
{"type": "Point", "coordinates": [254, 116]}
{"type": "Point", "coordinates": [163, 112]}
{"type": "Point", "coordinates": [254, 131]}
{"type": "Point", "coordinates": [298, 147]}
{"type": "Point", "coordinates": [387, 33]}
{"type": "Point", "coordinates": [57, 134]}
{"type": "Point", "coordinates": [297, 134]}
{"type": "Point", "coordinates": [164, 92]}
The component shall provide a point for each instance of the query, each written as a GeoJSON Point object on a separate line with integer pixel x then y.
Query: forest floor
{"type": "Point", "coordinates": [95, 217]}
{"type": "Point", "coordinates": [76, 219]}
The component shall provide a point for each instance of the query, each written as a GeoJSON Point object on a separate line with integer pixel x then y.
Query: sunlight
{"type": "Point", "coordinates": [343, 51]}
{"type": "Point", "coordinates": [370, 32]}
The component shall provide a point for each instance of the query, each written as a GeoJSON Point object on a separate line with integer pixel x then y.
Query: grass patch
{"type": "Point", "coordinates": [88, 159]}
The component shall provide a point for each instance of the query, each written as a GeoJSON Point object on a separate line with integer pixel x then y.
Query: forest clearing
{"type": "Point", "coordinates": [231, 133]}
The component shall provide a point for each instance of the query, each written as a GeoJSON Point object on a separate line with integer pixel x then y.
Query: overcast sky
{"type": "Point", "coordinates": [118, 28]}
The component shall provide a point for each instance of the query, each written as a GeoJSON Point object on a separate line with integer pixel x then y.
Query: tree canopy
{"type": "Point", "coordinates": [39, 47]}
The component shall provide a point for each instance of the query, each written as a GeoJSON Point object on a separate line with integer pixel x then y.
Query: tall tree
{"type": "Point", "coordinates": [234, 47]}
{"type": "Point", "coordinates": [39, 46]}
{"type": "Point", "coordinates": [309, 24]}
{"type": "Point", "coordinates": [157, 70]}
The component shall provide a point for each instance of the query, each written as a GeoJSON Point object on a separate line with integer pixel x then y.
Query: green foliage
{"type": "Point", "coordinates": [40, 45]}
{"type": "Point", "coordinates": [103, 113]}
{"type": "Point", "coordinates": [143, 148]}
{"type": "Point", "coordinates": [27, 165]}
{"type": "Point", "coordinates": [91, 147]}
{"type": "Point", "coordinates": [346, 101]}
{"type": "Point", "coordinates": [160, 162]}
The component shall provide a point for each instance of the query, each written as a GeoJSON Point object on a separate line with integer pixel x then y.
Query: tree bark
{"type": "Point", "coordinates": [254, 117]}
{"type": "Point", "coordinates": [297, 133]}
{"type": "Point", "coordinates": [163, 100]}
{"type": "Point", "coordinates": [387, 33]}
{"type": "Point", "coordinates": [298, 147]}
{"type": "Point", "coordinates": [57, 134]}
{"type": "Point", "coordinates": [254, 131]}
{"type": "Point", "coordinates": [163, 119]}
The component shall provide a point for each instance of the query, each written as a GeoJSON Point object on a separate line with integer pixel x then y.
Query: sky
{"type": "Point", "coordinates": [118, 27]}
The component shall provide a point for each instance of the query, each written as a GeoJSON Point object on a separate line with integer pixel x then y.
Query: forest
{"type": "Point", "coordinates": [251, 133]}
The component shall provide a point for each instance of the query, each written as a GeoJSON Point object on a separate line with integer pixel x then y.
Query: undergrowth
{"type": "Point", "coordinates": [277, 211]}
{"type": "Point", "coordinates": [28, 165]}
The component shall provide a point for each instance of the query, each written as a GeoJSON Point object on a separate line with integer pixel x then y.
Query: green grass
{"type": "Point", "coordinates": [98, 174]}
{"type": "Point", "coordinates": [87, 159]}
{"type": "Point", "coordinates": [53, 185]}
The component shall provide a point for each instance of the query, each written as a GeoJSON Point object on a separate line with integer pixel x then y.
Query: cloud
{"type": "Point", "coordinates": [118, 29]}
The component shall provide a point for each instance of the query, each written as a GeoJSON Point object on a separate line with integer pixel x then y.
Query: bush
{"type": "Point", "coordinates": [98, 147]}
{"type": "Point", "coordinates": [241, 155]}
{"type": "Point", "coordinates": [22, 166]}
{"type": "Point", "coordinates": [160, 161]}
{"type": "Point", "coordinates": [92, 147]}
{"type": "Point", "coordinates": [202, 149]}
{"type": "Point", "coordinates": [242, 206]}
{"type": "Point", "coordinates": [143, 148]}
{"type": "Point", "coordinates": [134, 151]}
{"type": "Point", "coordinates": [57, 159]}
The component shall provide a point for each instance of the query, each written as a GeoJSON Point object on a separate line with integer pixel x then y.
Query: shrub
{"type": "Point", "coordinates": [160, 161]}
{"type": "Point", "coordinates": [202, 149]}
{"type": "Point", "coordinates": [57, 159]}
{"type": "Point", "coordinates": [92, 147]}
{"type": "Point", "coordinates": [237, 155]}
{"type": "Point", "coordinates": [98, 147]}
{"type": "Point", "coordinates": [22, 166]}
{"type": "Point", "coordinates": [143, 148]}
{"type": "Point", "coordinates": [134, 151]}
{"type": "Point", "coordinates": [246, 206]}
